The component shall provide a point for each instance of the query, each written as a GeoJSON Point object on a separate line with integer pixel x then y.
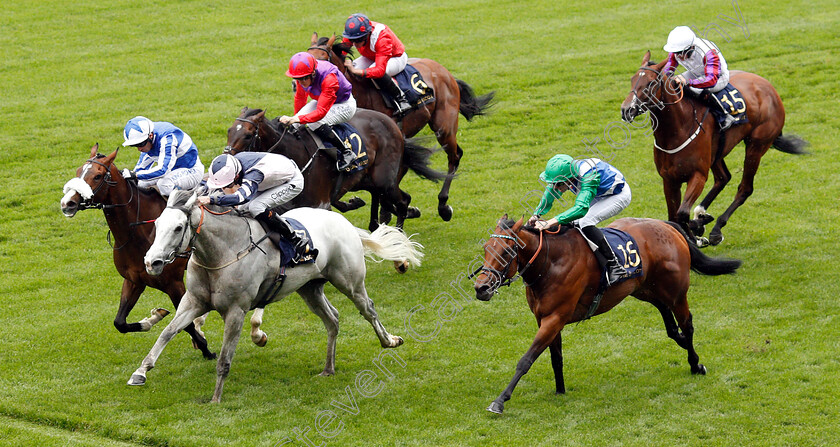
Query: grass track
{"type": "Point", "coordinates": [74, 72]}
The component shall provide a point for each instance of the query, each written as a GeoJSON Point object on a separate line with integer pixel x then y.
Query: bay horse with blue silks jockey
{"type": "Point", "coordinates": [130, 212]}
{"type": "Point", "coordinates": [234, 268]}
{"type": "Point", "coordinates": [452, 96]}
{"type": "Point", "coordinates": [562, 282]}
{"type": "Point", "coordinates": [687, 142]}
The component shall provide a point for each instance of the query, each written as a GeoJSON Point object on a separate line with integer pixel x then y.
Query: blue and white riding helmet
{"type": "Point", "coordinates": [223, 171]}
{"type": "Point", "coordinates": [137, 130]}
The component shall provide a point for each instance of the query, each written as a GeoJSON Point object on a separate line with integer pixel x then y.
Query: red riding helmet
{"type": "Point", "coordinates": [357, 26]}
{"type": "Point", "coordinates": [301, 65]}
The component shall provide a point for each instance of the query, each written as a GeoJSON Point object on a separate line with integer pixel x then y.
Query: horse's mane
{"type": "Point", "coordinates": [561, 231]}
{"type": "Point", "coordinates": [179, 198]}
{"type": "Point", "coordinates": [341, 49]}
{"type": "Point", "coordinates": [249, 112]}
{"type": "Point", "coordinates": [274, 123]}
{"type": "Point", "coordinates": [651, 63]}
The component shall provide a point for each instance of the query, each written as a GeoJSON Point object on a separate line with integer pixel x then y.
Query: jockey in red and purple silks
{"type": "Point", "coordinates": [333, 101]}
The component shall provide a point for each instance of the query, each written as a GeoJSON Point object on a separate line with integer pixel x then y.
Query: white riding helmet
{"type": "Point", "coordinates": [223, 171]}
{"type": "Point", "coordinates": [680, 39]}
{"type": "Point", "coordinates": [137, 130]}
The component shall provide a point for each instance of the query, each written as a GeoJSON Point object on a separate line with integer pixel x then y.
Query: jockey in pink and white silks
{"type": "Point", "coordinates": [333, 101]}
{"type": "Point", "coordinates": [705, 67]}
{"type": "Point", "coordinates": [601, 193]}
{"type": "Point", "coordinates": [168, 157]}
{"type": "Point", "coordinates": [260, 181]}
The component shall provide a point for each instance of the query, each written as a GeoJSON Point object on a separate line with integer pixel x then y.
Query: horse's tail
{"type": "Point", "coordinates": [703, 264]}
{"type": "Point", "coordinates": [390, 243]}
{"type": "Point", "coordinates": [472, 105]}
{"type": "Point", "coordinates": [791, 144]}
{"type": "Point", "coordinates": [416, 158]}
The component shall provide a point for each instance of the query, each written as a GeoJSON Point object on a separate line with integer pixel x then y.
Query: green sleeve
{"type": "Point", "coordinates": [547, 200]}
{"type": "Point", "coordinates": [588, 190]}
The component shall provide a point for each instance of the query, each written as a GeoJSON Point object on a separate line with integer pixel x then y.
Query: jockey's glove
{"type": "Point", "coordinates": [128, 174]}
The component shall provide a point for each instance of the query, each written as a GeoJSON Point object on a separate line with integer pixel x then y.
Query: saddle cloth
{"type": "Point", "coordinates": [626, 252]}
{"type": "Point", "coordinates": [416, 91]}
{"type": "Point", "coordinates": [730, 99]}
{"type": "Point", "coordinates": [287, 249]}
{"type": "Point", "coordinates": [347, 133]}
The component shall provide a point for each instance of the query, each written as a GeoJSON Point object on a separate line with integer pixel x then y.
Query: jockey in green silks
{"type": "Point", "coordinates": [601, 192]}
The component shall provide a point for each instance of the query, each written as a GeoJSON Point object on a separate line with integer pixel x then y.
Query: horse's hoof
{"type": "Point", "coordinates": [397, 341]}
{"type": "Point", "coordinates": [715, 238]}
{"type": "Point", "coordinates": [702, 242]}
{"type": "Point", "coordinates": [137, 379]}
{"type": "Point", "coordinates": [445, 212]}
{"type": "Point", "coordinates": [355, 203]}
{"type": "Point", "coordinates": [496, 407]}
{"type": "Point", "coordinates": [700, 369]}
{"type": "Point", "coordinates": [262, 341]}
{"type": "Point", "coordinates": [209, 355]}
{"type": "Point", "coordinates": [402, 267]}
{"type": "Point", "coordinates": [162, 313]}
{"type": "Point", "coordinates": [413, 213]}
{"type": "Point", "coordinates": [326, 373]}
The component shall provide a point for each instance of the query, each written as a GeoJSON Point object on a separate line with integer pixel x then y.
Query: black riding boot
{"type": "Point", "coordinates": [275, 223]}
{"type": "Point", "coordinates": [387, 83]}
{"type": "Point", "coordinates": [605, 255]}
{"type": "Point", "coordinates": [345, 153]}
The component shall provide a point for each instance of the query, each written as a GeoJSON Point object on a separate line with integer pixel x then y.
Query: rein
{"type": "Point", "coordinates": [239, 256]}
{"type": "Point", "coordinates": [679, 99]}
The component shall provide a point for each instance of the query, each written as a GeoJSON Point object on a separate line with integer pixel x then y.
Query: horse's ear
{"type": "Point", "coordinates": [244, 109]}
{"type": "Point", "coordinates": [110, 158]}
{"type": "Point", "coordinates": [331, 41]}
{"type": "Point", "coordinates": [646, 58]}
{"type": "Point", "coordinates": [260, 116]}
{"type": "Point", "coordinates": [94, 150]}
{"type": "Point", "coordinates": [518, 225]}
{"type": "Point", "coordinates": [191, 201]}
{"type": "Point", "coordinates": [314, 40]}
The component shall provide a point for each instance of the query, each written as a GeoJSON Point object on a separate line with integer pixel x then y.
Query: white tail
{"type": "Point", "coordinates": [392, 244]}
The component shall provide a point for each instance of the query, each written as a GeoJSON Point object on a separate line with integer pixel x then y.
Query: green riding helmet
{"type": "Point", "coordinates": [560, 168]}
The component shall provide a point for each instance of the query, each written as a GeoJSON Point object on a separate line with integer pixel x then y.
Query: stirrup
{"type": "Point", "coordinates": [727, 122]}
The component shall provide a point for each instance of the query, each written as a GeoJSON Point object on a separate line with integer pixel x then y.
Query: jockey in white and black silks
{"type": "Point", "coordinates": [168, 156]}
{"type": "Point", "coordinates": [259, 182]}
{"type": "Point", "coordinates": [705, 67]}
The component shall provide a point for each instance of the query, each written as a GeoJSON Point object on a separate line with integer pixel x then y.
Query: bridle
{"type": "Point", "coordinates": [504, 273]}
{"type": "Point", "coordinates": [661, 105]}
{"type": "Point", "coordinates": [85, 204]}
{"type": "Point", "coordinates": [254, 138]}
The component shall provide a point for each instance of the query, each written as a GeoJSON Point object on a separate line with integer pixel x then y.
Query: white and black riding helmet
{"type": "Point", "coordinates": [137, 130]}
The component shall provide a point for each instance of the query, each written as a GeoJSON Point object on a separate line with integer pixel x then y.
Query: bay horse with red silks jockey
{"type": "Point", "coordinates": [129, 211]}
{"type": "Point", "coordinates": [688, 143]}
{"type": "Point", "coordinates": [562, 283]}
{"type": "Point", "coordinates": [452, 96]}
{"type": "Point", "coordinates": [390, 156]}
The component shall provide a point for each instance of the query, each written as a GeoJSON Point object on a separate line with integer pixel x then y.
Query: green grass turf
{"type": "Point", "coordinates": [74, 72]}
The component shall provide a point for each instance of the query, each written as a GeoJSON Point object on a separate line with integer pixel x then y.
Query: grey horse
{"type": "Point", "coordinates": [232, 270]}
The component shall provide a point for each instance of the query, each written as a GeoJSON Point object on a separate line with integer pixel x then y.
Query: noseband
{"type": "Point", "coordinates": [502, 274]}
{"type": "Point", "coordinates": [86, 204]}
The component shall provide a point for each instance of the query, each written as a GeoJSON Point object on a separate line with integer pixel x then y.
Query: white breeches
{"type": "Point", "coordinates": [276, 196]}
{"type": "Point", "coordinates": [340, 112]}
{"type": "Point", "coordinates": [182, 178]}
{"type": "Point", "coordinates": [604, 207]}
{"type": "Point", "coordinates": [395, 64]}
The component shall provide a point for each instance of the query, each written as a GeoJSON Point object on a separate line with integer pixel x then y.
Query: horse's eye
{"type": "Point", "coordinates": [97, 176]}
{"type": "Point", "coordinates": [248, 136]}
{"type": "Point", "coordinates": [178, 229]}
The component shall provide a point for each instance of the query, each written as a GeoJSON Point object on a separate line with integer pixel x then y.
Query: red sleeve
{"type": "Point", "coordinates": [712, 72]}
{"type": "Point", "coordinates": [301, 97]}
{"type": "Point", "coordinates": [329, 89]}
{"type": "Point", "coordinates": [384, 47]}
